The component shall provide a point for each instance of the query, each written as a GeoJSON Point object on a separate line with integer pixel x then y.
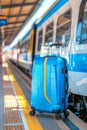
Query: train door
{"type": "Point", "coordinates": [63, 32]}
{"type": "Point", "coordinates": [32, 45]}
{"type": "Point", "coordinates": [78, 56]}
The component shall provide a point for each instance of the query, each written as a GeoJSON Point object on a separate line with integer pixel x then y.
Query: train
{"type": "Point", "coordinates": [64, 23]}
{"type": "Point", "coordinates": [0, 54]}
{"type": "Point", "coordinates": [22, 53]}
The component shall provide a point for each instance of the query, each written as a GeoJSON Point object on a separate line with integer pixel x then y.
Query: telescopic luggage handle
{"type": "Point", "coordinates": [57, 45]}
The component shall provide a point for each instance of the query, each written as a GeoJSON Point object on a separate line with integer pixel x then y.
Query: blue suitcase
{"type": "Point", "coordinates": [49, 86]}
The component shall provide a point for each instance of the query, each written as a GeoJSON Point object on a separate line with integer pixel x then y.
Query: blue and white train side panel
{"type": "Point", "coordinates": [76, 54]}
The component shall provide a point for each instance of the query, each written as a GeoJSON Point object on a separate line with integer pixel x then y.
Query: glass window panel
{"type": "Point", "coordinates": [81, 34]}
{"type": "Point", "coordinates": [64, 29]}
{"type": "Point", "coordinates": [49, 33]}
{"type": "Point", "coordinates": [84, 27]}
{"type": "Point", "coordinates": [40, 37]}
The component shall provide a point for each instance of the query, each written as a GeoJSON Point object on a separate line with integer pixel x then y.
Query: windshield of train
{"type": "Point", "coordinates": [82, 24]}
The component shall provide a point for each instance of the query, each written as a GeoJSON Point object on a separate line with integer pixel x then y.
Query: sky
{"type": "Point", "coordinates": [44, 6]}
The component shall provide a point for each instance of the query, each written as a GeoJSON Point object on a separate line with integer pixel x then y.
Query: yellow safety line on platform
{"type": "Point", "coordinates": [32, 121]}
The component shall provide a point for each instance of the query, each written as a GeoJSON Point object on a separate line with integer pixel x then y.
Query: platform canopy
{"type": "Point", "coordinates": [17, 12]}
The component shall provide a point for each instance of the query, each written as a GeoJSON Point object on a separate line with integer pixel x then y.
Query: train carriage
{"type": "Point", "coordinates": [67, 25]}
{"type": "Point", "coordinates": [64, 23]}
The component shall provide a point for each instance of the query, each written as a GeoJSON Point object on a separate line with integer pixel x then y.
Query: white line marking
{"type": "Point", "coordinates": [13, 124]}
{"type": "Point", "coordinates": [21, 112]}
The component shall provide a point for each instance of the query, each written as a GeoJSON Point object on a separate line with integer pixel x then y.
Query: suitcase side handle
{"type": "Point", "coordinates": [65, 71]}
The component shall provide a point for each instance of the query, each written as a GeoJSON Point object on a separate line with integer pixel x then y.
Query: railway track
{"type": "Point", "coordinates": [24, 77]}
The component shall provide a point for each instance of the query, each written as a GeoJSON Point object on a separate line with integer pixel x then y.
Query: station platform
{"type": "Point", "coordinates": [14, 107]}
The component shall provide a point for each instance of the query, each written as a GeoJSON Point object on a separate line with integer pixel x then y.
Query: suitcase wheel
{"type": "Point", "coordinates": [66, 114]}
{"type": "Point", "coordinates": [32, 112]}
{"type": "Point", "coordinates": [57, 116]}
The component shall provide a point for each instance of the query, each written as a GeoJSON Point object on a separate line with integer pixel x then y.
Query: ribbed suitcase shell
{"type": "Point", "coordinates": [48, 90]}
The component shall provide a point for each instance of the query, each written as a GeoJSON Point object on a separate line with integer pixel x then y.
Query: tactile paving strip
{"type": "Point", "coordinates": [12, 116]}
{"type": "Point", "coordinates": [1, 100]}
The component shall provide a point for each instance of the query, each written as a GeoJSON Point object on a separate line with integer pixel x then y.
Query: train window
{"type": "Point", "coordinates": [40, 36]}
{"type": "Point", "coordinates": [24, 47]}
{"type": "Point", "coordinates": [81, 36]}
{"type": "Point", "coordinates": [64, 29]}
{"type": "Point", "coordinates": [84, 27]}
{"type": "Point", "coordinates": [49, 33]}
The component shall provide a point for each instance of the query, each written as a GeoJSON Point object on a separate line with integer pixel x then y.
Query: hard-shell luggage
{"type": "Point", "coordinates": [49, 86]}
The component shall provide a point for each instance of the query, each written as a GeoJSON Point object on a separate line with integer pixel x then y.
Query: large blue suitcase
{"type": "Point", "coordinates": [49, 86]}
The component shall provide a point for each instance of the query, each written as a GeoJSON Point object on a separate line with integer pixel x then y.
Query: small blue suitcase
{"type": "Point", "coordinates": [49, 86]}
